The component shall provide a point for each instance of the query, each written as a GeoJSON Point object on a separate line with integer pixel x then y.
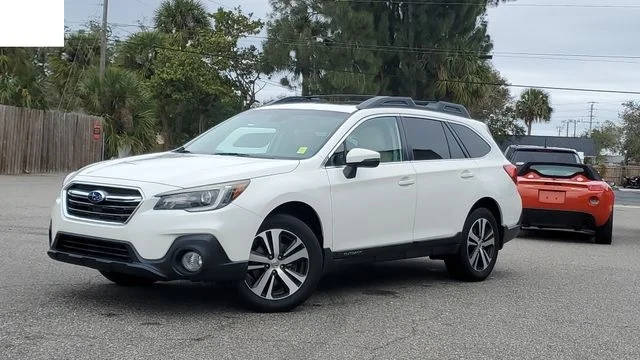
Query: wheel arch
{"type": "Point", "coordinates": [493, 206]}
{"type": "Point", "coordinates": [304, 212]}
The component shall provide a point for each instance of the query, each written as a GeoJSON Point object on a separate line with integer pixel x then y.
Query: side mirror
{"type": "Point", "coordinates": [359, 157]}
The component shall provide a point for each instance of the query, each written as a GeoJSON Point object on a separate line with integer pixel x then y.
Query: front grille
{"type": "Point", "coordinates": [117, 206]}
{"type": "Point", "coordinates": [102, 249]}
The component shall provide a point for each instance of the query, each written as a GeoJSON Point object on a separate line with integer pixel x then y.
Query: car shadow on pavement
{"type": "Point", "coordinates": [382, 274]}
{"type": "Point", "coordinates": [557, 236]}
{"type": "Point", "coordinates": [183, 297]}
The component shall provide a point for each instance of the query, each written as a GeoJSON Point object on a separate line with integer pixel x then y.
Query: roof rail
{"type": "Point", "coordinates": [351, 99]}
{"type": "Point", "coordinates": [384, 101]}
{"type": "Point", "coordinates": [446, 107]}
{"type": "Point", "coordinates": [368, 102]}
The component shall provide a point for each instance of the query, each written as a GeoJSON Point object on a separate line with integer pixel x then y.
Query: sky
{"type": "Point", "coordinates": [604, 33]}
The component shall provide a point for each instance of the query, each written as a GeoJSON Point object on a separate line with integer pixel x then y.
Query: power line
{"type": "Point", "coordinates": [401, 2]}
{"type": "Point", "coordinates": [433, 51]}
{"type": "Point", "coordinates": [397, 76]}
{"type": "Point", "coordinates": [64, 88]}
{"type": "Point", "coordinates": [548, 87]}
{"type": "Point", "coordinates": [423, 50]}
{"type": "Point", "coordinates": [89, 60]}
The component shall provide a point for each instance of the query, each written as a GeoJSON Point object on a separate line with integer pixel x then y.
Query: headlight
{"type": "Point", "coordinates": [201, 198]}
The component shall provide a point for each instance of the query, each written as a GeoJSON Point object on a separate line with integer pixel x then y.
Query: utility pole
{"type": "Point", "coordinates": [559, 129]}
{"type": "Point", "coordinates": [103, 35]}
{"type": "Point", "coordinates": [575, 122]}
{"type": "Point", "coordinates": [568, 122]}
{"type": "Point", "coordinates": [591, 115]}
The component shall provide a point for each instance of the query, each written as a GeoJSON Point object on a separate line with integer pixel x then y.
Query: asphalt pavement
{"type": "Point", "coordinates": [551, 295]}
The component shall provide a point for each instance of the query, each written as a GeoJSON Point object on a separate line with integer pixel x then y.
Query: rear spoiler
{"type": "Point", "coordinates": [588, 171]}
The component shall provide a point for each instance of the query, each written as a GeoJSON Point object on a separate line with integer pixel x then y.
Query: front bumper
{"type": "Point", "coordinates": [216, 265]}
{"type": "Point", "coordinates": [152, 232]}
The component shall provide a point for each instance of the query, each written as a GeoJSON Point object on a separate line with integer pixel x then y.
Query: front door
{"type": "Point", "coordinates": [376, 207]}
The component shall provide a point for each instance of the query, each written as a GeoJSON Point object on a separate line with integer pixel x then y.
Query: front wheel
{"type": "Point", "coordinates": [479, 249]}
{"type": "Point", "coordinates": [285, 265]}
{"type": "Point", "coordinates": [604, 233]}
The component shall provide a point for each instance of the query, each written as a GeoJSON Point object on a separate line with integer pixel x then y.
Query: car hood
{"type": "Point", "coordinates": [186, 170]}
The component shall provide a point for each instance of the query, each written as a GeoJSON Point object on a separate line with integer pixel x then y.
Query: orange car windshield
{"type": "Point", "coordinates": [567, 171]}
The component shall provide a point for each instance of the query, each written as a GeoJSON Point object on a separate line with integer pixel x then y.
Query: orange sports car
{"type": "Point", "coordinates": [567, 197]}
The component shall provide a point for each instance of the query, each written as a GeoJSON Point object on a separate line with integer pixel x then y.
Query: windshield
{"type": "Point", "coordinates": [556, 170]}
{"type": "Point", "coordinates": [275, 134]}
{"type": "Point", "coordinates": [524, 156]}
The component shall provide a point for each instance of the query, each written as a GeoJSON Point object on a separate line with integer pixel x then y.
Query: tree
{"type": "Point", "coordinates": [631, 128]}
{"type": "Point", "coordinates": [495, 108]}
{"type": "Point", "coordinates": [417, 49]}
{"type": "Point", "coordinates": [607, 137]}
{"type": "Point", "coordinates": [125, 107]}
{"type": "Point", "coordinates": [533, 106]}
{"type": "Point", "coordinates": [140, 52]}
{"type": "Point", "coordinates": [183, 18]}
{"type": "Point", "coordinates": [23, 80]}
{"type": "Point", "coordinates": [194, 66]}
{"type": "Point", "coordinates": [68, 65]}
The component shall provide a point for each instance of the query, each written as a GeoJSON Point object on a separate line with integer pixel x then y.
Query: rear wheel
{"type": "Point", "coordinates": [127, 280]}
{"type": "Point", "coordinates": [285, 265]}
{"type": "Point", "coordinates": [479, 250]}
{"type": "Point", "coordinates": [604, 233]}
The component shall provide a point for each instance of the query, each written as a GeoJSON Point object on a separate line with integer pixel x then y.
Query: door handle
{"type": "Point", "coordinates": [466, 174]}
{"type": "Point", "coordinates": [406, 181]}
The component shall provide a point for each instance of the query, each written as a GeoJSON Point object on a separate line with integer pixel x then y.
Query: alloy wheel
{"type": "Point", "coordinates": [481, 244]}
{"type": "Point", "coordinates": [278, 264]}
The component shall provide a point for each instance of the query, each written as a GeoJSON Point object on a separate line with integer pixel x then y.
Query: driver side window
{"type": "Point", "coordinates": [379, 134]}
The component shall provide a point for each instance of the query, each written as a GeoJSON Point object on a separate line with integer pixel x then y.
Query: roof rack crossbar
{"type": "Point", "coordinates": [368, 102]}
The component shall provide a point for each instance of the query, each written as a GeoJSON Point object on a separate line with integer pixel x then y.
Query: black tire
{"type": "Point", "coordinates": [126, 279]}
{"type": "Point", "coordinates": [460, 265]}
{"type": "Point", "coordinates": [604, 234]}
{"type": "Point", "coordinates": [313, 267]}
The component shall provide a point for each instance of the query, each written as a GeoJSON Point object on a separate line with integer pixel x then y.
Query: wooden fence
{"type": "Point", "coordinates": [615, 173]}
{"type": "Point", "coordinates": [36, 141]}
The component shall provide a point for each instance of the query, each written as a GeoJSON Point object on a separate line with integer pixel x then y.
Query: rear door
{"type": "Point", "coordinates": [445, 178]}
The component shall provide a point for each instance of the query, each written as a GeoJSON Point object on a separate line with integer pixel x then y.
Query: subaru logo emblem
{"type": "Point", "coordinates": [96, 196]}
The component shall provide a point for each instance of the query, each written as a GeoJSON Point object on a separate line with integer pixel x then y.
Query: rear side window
{"type": "Point", "coordinates": [454, 147]}
{"type": "Point", "coordinates": [426, 139]}
{"type": "Point", "coordinates": [475, 145]}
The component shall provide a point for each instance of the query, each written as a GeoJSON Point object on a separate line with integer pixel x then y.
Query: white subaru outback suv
{"type": "Point", "coordinates": [274, 197]}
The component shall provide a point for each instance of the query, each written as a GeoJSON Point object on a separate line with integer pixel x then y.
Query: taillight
{"type": "Point", "coordinates": [512, 171]}
{"type": "Point", "coordinates": [597, 187]}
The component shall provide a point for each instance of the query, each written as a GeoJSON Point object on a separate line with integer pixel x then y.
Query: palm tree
{"type": "Point", "coordinates": [126, 108]}
{"type": "Point", "coordinates": [533, 106]}
{"type": "Point", "coordinates": [23, 80]}
{"type": "Point", "coordinates": [140, 52]}
{"type": "Point", "coordinates": [184, 18]}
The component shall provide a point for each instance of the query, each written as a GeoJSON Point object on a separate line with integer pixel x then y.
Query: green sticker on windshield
{"type": "Point", "coordinates": [302, 150]}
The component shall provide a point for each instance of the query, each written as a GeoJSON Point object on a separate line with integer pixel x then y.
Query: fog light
{"type": "Point", "coordinates": [594, 201]}
{"type": "Point", "coordinates": [191, 261]}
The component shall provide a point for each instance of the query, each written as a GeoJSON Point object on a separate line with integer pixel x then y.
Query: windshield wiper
{"type": "Point", "coordinates": [182, 150]}
{"type": "Point", "coordinates": [234, 154]}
